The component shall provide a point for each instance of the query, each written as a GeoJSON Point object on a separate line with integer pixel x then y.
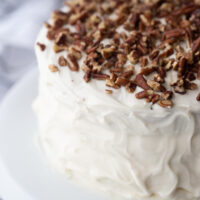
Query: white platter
{"type": "Point", "coordinates": [23, 173]}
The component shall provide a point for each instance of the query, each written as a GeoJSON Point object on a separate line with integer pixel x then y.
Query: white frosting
{"type": "Point", "coordinates": [116, 143]}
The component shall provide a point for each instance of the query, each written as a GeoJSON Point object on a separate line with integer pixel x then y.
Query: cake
{"type": "Point", "coordinates": [119, 98]}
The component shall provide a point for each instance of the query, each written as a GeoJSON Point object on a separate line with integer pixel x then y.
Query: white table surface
{"type": "Point", "coordinates": [20, 22]}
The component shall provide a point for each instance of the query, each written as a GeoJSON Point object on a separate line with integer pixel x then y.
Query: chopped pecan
{"type": "Point", "coordinates": [131, 87]}
{"type": "Point", "coordinates": [127, 74]}
{"type": "Point", "coordinates": [61, 38]}
{"type": "Point", "coordinates": [174, 64]}
{"type": "Point", "coordinates": [181, 68]}
{"type": "Point", "coordinates": [50, 35]}
{"type": "Point", "coordinates": [143, 61]}
{"type": "Point", "coordinates": [175, 33]}
{"type": "Point", "coordinates": [190, 76]}
{"type": "Point", "coordinates": [165, 103]}
{"type": "Point", "coordinates": [53, 68]}
{"type": "Point", "coordinates": [58, 49]}
{"type": "Point", "coordinates": [190, 86]}
{"type": "Point", "coordinates": [97, 68]}
{"type": "Point", "coordinates": [72, 62]}
{"type": "Point", "coordinates": [155, 98]}
{"type": "Point", "coordinates": [134, 57]}
{"type": "Point", "coordinates": [62, 61]}
{"type": "Point", "coordinates": [116, 69]}
{"type": "Point", "coordinates": [196, 45]}
{"type": "Point", "coordinates": [121, 81]}
{"type": "Point", "coordinates": [154, 85]}
{"type": "Point", "coordinates": [161, 72]}
{"type": "Point", "coordinates": [100, 76]}
{"type": "Point", "coordinates": [143, 50]}
{"type": "Point", "coordinates": [108, 91]}
{"type": "Point", "coordinates": [81, 28]}
{"type": "Point", "coordinates": [145, 20]}
{"type": "Point", "coordinates": [108, 51]}
{"type": "Point", "coordinates": [142, 95]}
{"type": "Point", "coordinates": [154, 54]}
{"type": "Point", "coordinates": [76, 17]}
{"type": "Point", "coordinates": [87, 76]}
{"type": "Point", "coordinates": [76, 53]}
{"type": "Point", "coordinates": [122, 58]}
{"type": "Point", "coordinates": [141, 82]}
{"type": "Point", "coordinates": [42, 46]}
{"type": "Point", "coordinates": [60, 15]}
{"type": "Point", "coordinates": [167, 95]}
{"type": "Point", "coordinates": [180, 90]}
{"type": "Point", "coordinates": [147, 70]}
{"type": "Point", "coordinates": [132, 21]}
{"type": "Point", "coordinates": [110, 82]}
{"type": "Point", "coordinates": [158, 78]}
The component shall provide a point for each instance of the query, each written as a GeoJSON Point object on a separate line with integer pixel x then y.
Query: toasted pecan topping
{"type": "Point", "coordinates": [154, 85]}
{"type": "Point", "coordinates": [62, 61]}
{"type": "Point", "coordinates": [138, 46]}
{"type": "Point", "coordinates": [42, 46]}
{"type": "Point", "coordinates": [53, 68]}
{"type": "Point", "coordinates": [122, 81]}
{"type": "Point", "coordinates": [142, 95]}
{"type": "Point", "coordinates": [72, 62]}
{"type": "Point", "coordinates": [175, 33]}
{"type": "Point", "coordinates": [167, 95]}
{"type": "Point", "coordinates": [141, 82]}
{"type": "Point", "coordinates": [165, 103]}
{"type": "Point", "coordinates": [108, 91]}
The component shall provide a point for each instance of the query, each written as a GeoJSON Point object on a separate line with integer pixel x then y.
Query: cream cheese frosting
{"type": "Point", "coordinates": [117, 143]}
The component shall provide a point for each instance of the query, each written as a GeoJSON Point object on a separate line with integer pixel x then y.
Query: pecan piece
{"type": "Point", "coordinates": [58, 49]}
{"type": "Point", "coordinates": [147, 70]}
{"type": "Point", "coordinates": [196, 45]}
{"type": "Point", "coordinates": [190, 86]}
{"type": "Point", "coordinates": [158, 78]}
{"type": "Point", "coordinates": [180, 90]}
{"type": "Point", "coordinates": [154, 85]}
{"type": "Point", "coordinates": [175, 33]}
{"type": "Point", "coordinates": [121, 81]}
{"type": "Point", "coordinates": [161, 72]}
{"type": "Point", "coordinates": [131, 87]}
{"type": "Point", "coordinates": [127, 74]}
{"type": "Point", "coordinates": [62, 61]}
{"type": "Point", "coordinates": [133, 57]}
{"type": "Point", "coordinates": [72, 62]}
{"type": "Point", "coordinates": [42, 46]}
{"type": "Point", "coordinates": [155, 98]}
{"type": "Point", "coordinates": [87, 76]}
{"type": "Point", "coordinates": [165, 103]}
{"type": "Point", "coordinates": [76, 53]}
{"type": "Point", "coordinates": [143, 62]}
{"type": "Point", "coordinates": [53, 68]}
{"type": "Point", "coordinates": [167, 95]}
{"type": "Point", "coordinates": [108, 51]}
{"type": "Point", "coordinates": [108, 91]}
{"type": "Point", "coordinates": [142, 95]}
{"type": "Point", "coordinates": [154, 54]}
{"type": "Point", "coordinates": [141, 82]}
{"type": "Point", "coordinates": [100, 76]}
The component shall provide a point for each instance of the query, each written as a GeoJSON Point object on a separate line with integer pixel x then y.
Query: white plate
{"type": "Point", "coordinates": [23, 173]}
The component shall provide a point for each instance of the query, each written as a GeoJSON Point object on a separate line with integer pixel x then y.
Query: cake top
{"type": "Point", "coordinates": [131, 44]}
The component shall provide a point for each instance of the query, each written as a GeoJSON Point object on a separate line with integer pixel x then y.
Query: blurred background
{"type": "Point", "coordinates": [20, 22]}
